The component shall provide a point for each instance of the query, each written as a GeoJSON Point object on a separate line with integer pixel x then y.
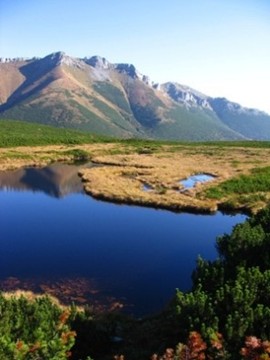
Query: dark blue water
{"type": "Point", "coordinates": [135, 255]}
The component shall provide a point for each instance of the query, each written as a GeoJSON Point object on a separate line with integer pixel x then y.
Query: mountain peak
{"type": "Point", "coordinates": [61, 58]}
{"type": "Point", "coordinates": [56, 57]}
{"type": "Point", "coordinates": [130, 70]}
{"type": "Point", "coordinates": [98, 62]}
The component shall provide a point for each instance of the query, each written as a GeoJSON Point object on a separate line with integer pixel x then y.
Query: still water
{"type": "Point", "coordinates": [55, 238]}
{"type": "Point", "coordinates": [195, 179]}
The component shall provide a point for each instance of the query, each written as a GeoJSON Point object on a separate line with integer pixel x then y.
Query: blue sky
{"type": "Point", "coordinates": [219, 47]}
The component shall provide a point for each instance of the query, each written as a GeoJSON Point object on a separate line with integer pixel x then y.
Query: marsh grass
{"type": "Point", "coordinates": [237, 183]}
{"type": "Point", "coordinates": [77, 154]}
{"type": "Point", "coordinates": [257, 181]}
{"type": "Point", "coordinates": [16, 155]}
{"type": "Point", "coordinates": [249, 192]}
{"type": "Point", "coordinates": [235, 163]}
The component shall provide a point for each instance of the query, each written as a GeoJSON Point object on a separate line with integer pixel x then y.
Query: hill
{"type": "Point", "coordinates": [21, 133]}
{"type": "Point", "coordinates": [95, 95]}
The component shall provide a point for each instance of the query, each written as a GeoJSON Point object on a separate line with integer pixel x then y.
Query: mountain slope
{"type": "Point", "coordinates": [59, 91]}
{"type": "Point", "coordinates": [115, 99]}
{"type": "Point", "coordinates": [252, 123]}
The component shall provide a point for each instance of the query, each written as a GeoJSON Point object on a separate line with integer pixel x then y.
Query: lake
{"type": "Point", "coordinates": [55, 238]}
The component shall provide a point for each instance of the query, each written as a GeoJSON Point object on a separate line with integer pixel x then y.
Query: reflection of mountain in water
{"type": "Point", "coordinates": [55, 180]}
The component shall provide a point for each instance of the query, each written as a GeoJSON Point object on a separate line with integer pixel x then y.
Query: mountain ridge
{"type": "Point", "coordinates": [93, 94]}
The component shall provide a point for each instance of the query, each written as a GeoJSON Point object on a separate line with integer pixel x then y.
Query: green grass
{"type": "Point", "coordinates": [245, 144]}
{"type": "Point", "coordinates": [19, 133]}
{"type": "Point", "coordinates": [22, 133]}
{"type": "Point", "coordinates": [257, 181]}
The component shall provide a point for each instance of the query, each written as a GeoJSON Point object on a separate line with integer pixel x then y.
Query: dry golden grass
{"type": "Point", "coordinates": [14, 158]}
{"type": "Point", "coordinates": [123, 176]}
{"type": "Point", "coordinates": [124, 171]}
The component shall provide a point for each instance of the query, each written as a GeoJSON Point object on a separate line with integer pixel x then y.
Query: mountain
{"type": "Point", "coordinates": [116, 99]}
{"type": "Point", "coordinates": [251, 123]}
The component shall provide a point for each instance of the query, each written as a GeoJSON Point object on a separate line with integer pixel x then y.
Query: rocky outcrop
{"type": "Point", "coordinates": [186, 95]}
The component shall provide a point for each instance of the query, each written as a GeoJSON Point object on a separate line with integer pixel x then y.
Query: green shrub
{"type": "Point", "coordinates": [34, 329]}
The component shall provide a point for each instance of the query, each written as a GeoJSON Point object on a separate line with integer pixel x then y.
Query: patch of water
{"type": "Point", "coordinates": [147, 187]}
{"type": "Point", "coordinates": [191, 182]}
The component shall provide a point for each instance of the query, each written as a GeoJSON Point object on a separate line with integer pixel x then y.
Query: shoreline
{"type": "Point", "coordinates": [124, 176]}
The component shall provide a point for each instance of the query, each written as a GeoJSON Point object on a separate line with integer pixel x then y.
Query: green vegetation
{"type": "Point", "coordinates": [192, 124]}
{"type": "Point", "coordinates": [222, 144]}
{"type": "Point", "coordinates": [113, 94]}
{"type": "Point", "coordinates": [33, 329]}
{"type": "Point", "coordinates": [249, 191]}
{"type": "Point", "coordinates": [113, 115]}
{"type": "Point", "coordinates": [43, 110]}
{"type": "Point", "coordinates": [20, 133]}
{"type": "Point", "coordinates": [145, 115]}
{"type": "Point", "coordinates": [77, 154]}
{"type": "Point", "coordinates": [257, 181]}
{"type": "Point", "coordinates": [244, 191]}
{"type": "Point", "coordinates": [230, 296]}
{"type": "Point", "coordinates": [210, 146]}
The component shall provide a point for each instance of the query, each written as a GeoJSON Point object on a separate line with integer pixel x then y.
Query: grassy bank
{"type": "Point", "coordinates": [127, 169]}
{"type": "Point", "coordinates": [240, 169]}
{"type": "Point", "coordinates": [244, 191]}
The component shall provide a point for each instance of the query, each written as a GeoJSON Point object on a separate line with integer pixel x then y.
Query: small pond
{"type": "Point", "coordinates": [55, 238]}
{"type": "Point", "coordinates": [147, 187]}
{"type": "Point", "coordinates": [194, 179]}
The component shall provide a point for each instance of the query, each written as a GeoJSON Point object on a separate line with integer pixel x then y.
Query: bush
{"type": "Point", "coordinates": [34, 329]}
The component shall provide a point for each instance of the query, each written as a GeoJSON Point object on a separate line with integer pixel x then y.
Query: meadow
{"type": "Point", "coordinates": [130, 166]}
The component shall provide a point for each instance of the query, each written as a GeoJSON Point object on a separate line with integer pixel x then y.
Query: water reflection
{"type": "Point", "coordinates": [84, 250]}
{"type": "Point", "coordinates": [195, 179]}
{"type": "Point", "coordinates": [56, 180]}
